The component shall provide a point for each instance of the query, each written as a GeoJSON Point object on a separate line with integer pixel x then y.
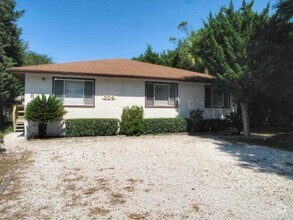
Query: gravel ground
{"type": "Point", "coordinates": [148, 177]}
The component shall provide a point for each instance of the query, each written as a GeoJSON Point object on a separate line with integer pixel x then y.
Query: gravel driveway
{"type": "Point", "coordinates": [148, 177]}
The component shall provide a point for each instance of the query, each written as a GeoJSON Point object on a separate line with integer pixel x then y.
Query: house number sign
{"type": "Point", "coordinates": [109, 98]}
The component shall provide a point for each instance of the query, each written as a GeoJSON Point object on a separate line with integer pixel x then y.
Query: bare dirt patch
{"type": "Point", "coordinates": [98, 211]}
{"type": "Point", "coordinates": [117, 199]}
{"type": "Point", "coordinates": [195, 207]}
{"type": "Point", "coordinates": [103, 184]}
{"type": "Point", "coordinates": [129, 188]}
{"type": "Point", "coordinates": [90, 190]}
{"type": "Point", "coordinates": [138, 216]}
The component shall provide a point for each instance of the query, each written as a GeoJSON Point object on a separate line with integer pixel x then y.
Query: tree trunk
{"type": "Point", "coordinates": [42, 130]}
{"type": "Point", "coordinates": [245, 119]}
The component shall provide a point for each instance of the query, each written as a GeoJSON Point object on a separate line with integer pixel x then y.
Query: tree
{"type": "Point", "coordinates": [11, 50]}
{"type": "Point", "coordinates": [44, 110]}
{"type": "Point", "coordinates": [180, 57]}
{"type": "Point", "coordinates": [272, 56]}
{"type": "Point", "coordinates": [149, 56]}
{"type": "Point", "coordinates": [33, 58]}
{"type": "Point", "coordinates": [222, 45]}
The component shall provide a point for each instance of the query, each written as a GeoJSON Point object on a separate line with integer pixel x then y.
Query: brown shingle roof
{"type": "Point", "coordinates": [114, 68]}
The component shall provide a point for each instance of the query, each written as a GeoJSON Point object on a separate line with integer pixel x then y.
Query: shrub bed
{"type": "Point", "coordinates": [91, 127]}
{"type": "Point", "coordinates": [164, 125]}
{"type": "Point", "coordinates": [215, 124]}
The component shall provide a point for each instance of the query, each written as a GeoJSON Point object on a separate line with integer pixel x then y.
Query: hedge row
{"type": "Point", "coordinates": [91, 127]}
{"type": "Point", "coordinates": [101, 127]}
{"type": "Point", "coordinates": [206, 125]}
{"type": "Point", "coordinates": [215, 124]}
{"type": "Point", "coordinates": [164, 125]}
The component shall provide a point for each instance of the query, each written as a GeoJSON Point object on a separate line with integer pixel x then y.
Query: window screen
{"type": "Point", "coordinates": [216, 98]}
{"type": "Point", "coordinates": [74, 91]}
{"type": "Point", "coordinates": [161, 94]}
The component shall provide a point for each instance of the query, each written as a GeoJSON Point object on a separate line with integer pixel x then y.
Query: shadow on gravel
{"type": "Point", "coordinates": [258, 158]}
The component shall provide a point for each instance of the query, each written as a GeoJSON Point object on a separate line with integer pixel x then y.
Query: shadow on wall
{"type": "Point", "coordinates": [257, 158]}
{"type": "Point", "coordinates": [216, 112]}
{"type": "Point", "coordinates": [54, 129]}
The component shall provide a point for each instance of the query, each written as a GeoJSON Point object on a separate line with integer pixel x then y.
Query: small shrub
{"type": "Point", "coordinates": [215, 124]}
{"type": "Point", "coordinates": [132, 121]}
{"type": "Point", "coordinates": [235, 121]}
{"type": "Point", "coordinates": [44, 110]}
{"type": "Point", "coordinates": [195, 120]}
{"type": "Point", "coordinates": [164, 125]}
{"type": "Point", "coordinates": [91, 127]}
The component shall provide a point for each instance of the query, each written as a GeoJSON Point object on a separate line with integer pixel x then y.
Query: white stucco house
{"type": "Point", "coordinates": [101, 88]}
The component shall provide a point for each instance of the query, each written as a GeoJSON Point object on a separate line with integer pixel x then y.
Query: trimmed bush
{"type": "Point", "coordinates": [91, 127]}
{"type": "Point", "coordinates": [132, 121]}
{"type": "Point", "coordinates": [164, 125]}
{"type": "Point", "coordinates": [195, 121]}
{"type": "Point", "coordinates": [215, 124]}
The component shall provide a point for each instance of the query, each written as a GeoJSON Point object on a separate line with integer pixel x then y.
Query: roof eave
{"type": "Point", "coordinates": [20, 74]}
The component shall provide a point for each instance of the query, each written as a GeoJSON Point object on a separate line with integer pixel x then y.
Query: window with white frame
{"type": "Point", "coordinates": [215, 98]}
{"type": "Point", "coordinates": [74, 92]}
{"type": "Point", "coordinates": [161, 94]}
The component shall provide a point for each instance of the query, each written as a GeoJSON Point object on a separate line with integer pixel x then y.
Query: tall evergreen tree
{"type": "Point", "coordinates": [33, 58]}
{"type": "Point", "coordinates": [272, 52]}
{"type": "Point", "coordinates": [11, 51]}
{"type": "Point", "coordinates": [223, 44]}
{"type": "Point", "coordinates": [10, 33]}
{"type": "Point", "coordinates": [149, 56]}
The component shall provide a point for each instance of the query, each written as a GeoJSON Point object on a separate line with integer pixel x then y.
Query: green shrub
{"type": "Point", "coordinates": [44, 110]}
{"type": "Point", "coordinates": [91, 127]}
{"type": "Point", "coordinates": [132, 121]}
{"type": "Point", "coordinates": [215, 124]}
{"type": "Point", "coordinates": [164, 125]}
{"type": "Point", "coordinates": [195, 120]}
{"type": "Point", "coordinates": [235, 120]}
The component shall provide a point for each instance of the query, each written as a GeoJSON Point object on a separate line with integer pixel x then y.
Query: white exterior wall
{"type": "Point", "coordinates": [127, 92]}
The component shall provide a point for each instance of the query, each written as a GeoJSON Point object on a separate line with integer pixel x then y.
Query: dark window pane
{"type": "Point", "coordinates": [217, 97]}
{"type": "Point", "coordinates": [88, 92]}
{"type": "Point", "coordinates": [59, 88]}
{"type": "Point", "coordinates": [208, 96]}
{"type": "Point", "coordinates": [161, 94]}
{"type": "Point", "coordinates": [226, 100]}
{"type": "Point", "coordinates": [149, 94]}
{"type": "Point", "coordinates": [173, 94]}
{"type": "Point", "coordinates": [88, 89]}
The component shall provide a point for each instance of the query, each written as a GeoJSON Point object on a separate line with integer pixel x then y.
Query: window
{"type": "Point", "coordinates": [74, 92]}
{"type": "Point", "coordinates": [215, 98]}
{"type": "Point", "coordinates": [161, 94]}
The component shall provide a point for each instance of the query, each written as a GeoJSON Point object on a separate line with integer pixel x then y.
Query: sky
{"type": "Point", "coordinates": [77, 30]}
